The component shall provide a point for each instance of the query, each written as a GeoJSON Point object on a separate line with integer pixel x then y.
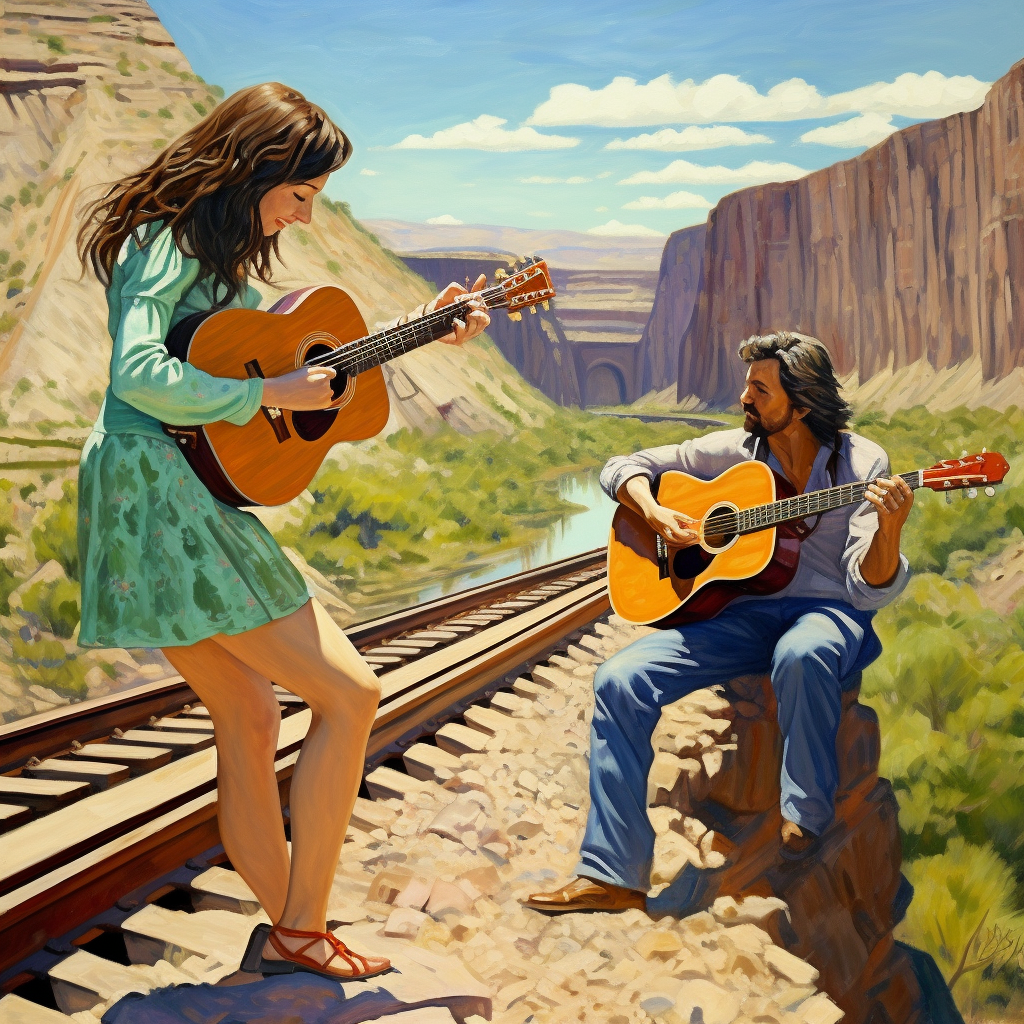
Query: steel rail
{"type": "Point", "coordinates": [63, 869]}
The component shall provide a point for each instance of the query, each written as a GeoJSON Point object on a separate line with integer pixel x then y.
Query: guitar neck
{"type": "Point", "coordinates": [365, 353]}
{"type": "Point", "coordinates": [800, 506]}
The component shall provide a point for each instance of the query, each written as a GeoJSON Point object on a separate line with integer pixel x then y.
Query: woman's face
{"type": "Point", "coordinates": [285, 204]}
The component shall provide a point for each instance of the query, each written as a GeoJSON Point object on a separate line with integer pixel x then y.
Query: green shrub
{"type": "Point", "coordinates": [963, 915]}
{"type": "Point", "coordinates": [164, 112]}
{"type": "Point", "coordinates": [7, 322]}
{"type": "Point", "coordinates": [199, 108]}
{"type": "Point", "coordinates": [16, 269]}
{"type": "Point", "coordinates": [45, 663]}
{"type": "Point", "coordinates": [58, 605]}
{"type": "Point", "coordinates": [4, 256]}
{"type": "Point", "coordinates": [56, 535]}
{"type": "Point", "coordinates": [55, 44]}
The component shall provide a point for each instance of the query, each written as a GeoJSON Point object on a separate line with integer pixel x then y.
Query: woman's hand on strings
{"type": "Point", "coordinates": [308, 387]}
{"type": "Point", "coordinates": [475, 323]}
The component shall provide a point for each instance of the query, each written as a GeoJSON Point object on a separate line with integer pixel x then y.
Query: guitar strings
{"type": "Point", "coordinates": [366, 349]}
{"type": "Point", "coordinates": [759, 517]}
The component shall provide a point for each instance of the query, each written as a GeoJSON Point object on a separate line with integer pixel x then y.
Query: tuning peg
{"type": "Point", "coordinates": [545, 304]}
{"type": "Point", "coordinates": [990, 491]}
{"type": "Point", "coordinates": [533, 309]}
{"type": "Point", "coordinates": [521, 260]}
{"type": "Point", "coordinates": [515, 316]}
{"type": "Point", "coordinates": [972, 492]}
{"type": "Point", "coordinates": [963, 454]}
{"type": "Point", "coordinates": [500, 274]}
{"type": "Point", "coordinates": [983, 450]}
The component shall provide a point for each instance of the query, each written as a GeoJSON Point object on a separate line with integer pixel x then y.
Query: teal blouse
{"type": "Point", "coordinates": [151, 289]}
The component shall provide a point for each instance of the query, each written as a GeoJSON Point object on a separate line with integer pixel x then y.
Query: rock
{"type": "Point", "coordinates": [48, 573]}
{"type": "Point", "coordinates": [663, 818]}
{"type": "Point", "coordinates": [455, 820]}
{"type": "Point", "coordinates": [790, 967]}
{"type": "Point", "coordinates": [386, 886]}
{"type": "Point", "coordinates": [714, 1004]}
{"type": "Point", "coordinates": [751, 909]}
{"type": "Point", "coordinates": [447, 896]}
{"type": "Point", "coordinates": [671, 854]}
{"type": "Point", "coordinates": [792, 255]}
{"type": "Point", "coordinates": [415, 893]}
{"type": "Point", "coordinates": [819, 1009]}
{"type": "Point", "coordinates": [404, 923]}
{"type": "Point", "coordinates": [661, 944]}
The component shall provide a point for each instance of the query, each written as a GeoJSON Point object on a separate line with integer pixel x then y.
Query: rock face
{"type": "Point", "coordinates": [911, 253]}
{"type": "Point", "coordinates": [585, 350]}
{"type": "Point", "coordinates": [715, 790]}
{"type": "Point", "coordinates": [674, 301]}
{"type": "Point", "coordinates": [91, 91]}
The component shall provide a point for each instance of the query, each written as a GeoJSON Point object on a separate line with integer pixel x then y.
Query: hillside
{"type": "Point", "coordinates": [92, 90]}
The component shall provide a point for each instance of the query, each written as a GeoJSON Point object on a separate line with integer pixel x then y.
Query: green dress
{"type": "Point", "coordinates": [162, 562]}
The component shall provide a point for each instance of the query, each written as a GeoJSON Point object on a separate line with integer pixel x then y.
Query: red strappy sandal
{"type": "Point", "coordinates": [296, 960]}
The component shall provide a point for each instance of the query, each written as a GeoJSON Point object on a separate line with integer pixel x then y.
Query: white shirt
{"type": "Point", "coordinates": [830, 558]}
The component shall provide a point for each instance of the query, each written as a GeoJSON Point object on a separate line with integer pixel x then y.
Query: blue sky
{"type": "Point", "coordinates": [528, 97]}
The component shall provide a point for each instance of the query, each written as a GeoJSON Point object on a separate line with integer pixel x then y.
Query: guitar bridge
{"type": "Point", "coordinates": [662, 558]}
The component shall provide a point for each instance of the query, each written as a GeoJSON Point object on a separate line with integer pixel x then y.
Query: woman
{"type": "Point", "coordinates": [166, 565]}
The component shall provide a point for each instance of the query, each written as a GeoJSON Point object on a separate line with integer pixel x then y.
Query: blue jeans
{"type": "Point", "coordinates": [809, 645]}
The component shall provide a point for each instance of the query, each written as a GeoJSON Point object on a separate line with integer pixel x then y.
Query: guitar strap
{"type": "Point", "coordinates": [761, 452]}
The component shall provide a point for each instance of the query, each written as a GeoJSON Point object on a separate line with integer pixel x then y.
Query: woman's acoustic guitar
{"type": "Point", "coordinates": [274, 456]}
{"type": "Point", "coordinates": [749, 536]}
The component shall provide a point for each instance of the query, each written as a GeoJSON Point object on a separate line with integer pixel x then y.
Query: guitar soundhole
{"type": "Point", "coordinates": [311, 425]}
{"type": "Point", "coordinates": [689, 563]}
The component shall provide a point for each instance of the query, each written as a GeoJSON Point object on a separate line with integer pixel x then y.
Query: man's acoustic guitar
{"type": "Point", "coordinates": [749, 536]}
{"type": "Point", "coordinates": [273, 457]}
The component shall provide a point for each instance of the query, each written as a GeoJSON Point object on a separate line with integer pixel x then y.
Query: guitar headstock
{"type": "Point", "coordinates": [980, 470]}
{"type": "Point", "coordinates": [525, 286]}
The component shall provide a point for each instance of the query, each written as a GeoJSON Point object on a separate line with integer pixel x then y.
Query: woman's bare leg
{"type": "Point", "coordinates": [308, 654]}
{"type": "Point", "coordinates": [246, 719]}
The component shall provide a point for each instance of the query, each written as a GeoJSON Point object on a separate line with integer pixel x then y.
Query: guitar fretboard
{"type": "Point", "coordinates": [762, 517]}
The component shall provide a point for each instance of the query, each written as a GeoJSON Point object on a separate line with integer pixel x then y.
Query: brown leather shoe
{"type": "Point", "coordinates": [587, 894]}
{"type": "Point", "coordinates": [797, 842]}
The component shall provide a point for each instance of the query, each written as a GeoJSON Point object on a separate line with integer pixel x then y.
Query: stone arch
{"type": "Point", "coordinates": [605, 384]}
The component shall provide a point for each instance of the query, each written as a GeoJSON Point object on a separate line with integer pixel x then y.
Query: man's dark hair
{"type": "Point", "coordinates": [807, 377]}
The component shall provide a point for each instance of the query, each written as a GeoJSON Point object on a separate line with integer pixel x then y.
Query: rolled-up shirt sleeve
{"type": "Point", "coordinates": [703, 457]}
{"type": "Point", "coordinates": [863, 526]}
{"type": "Point", "coordinates": [143, 373]}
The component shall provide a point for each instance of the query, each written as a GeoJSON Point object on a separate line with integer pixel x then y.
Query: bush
{"type": "Point", "coordinates": [45, 663]}
{"type": "Point", "coordinates": [57, 605]}
{"type": "Point", "coordinates": [56, 536]}
{"type": "Point", "coordinates": [963, 916]}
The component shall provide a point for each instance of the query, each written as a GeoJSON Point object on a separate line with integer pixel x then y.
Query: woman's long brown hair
{"type": "Point", "coordinates": [207, 185]}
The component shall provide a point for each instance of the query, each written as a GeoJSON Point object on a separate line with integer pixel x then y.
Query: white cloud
{"type": "Point", "coordinates": [605, 174]}
{"type": "Point", "coordinates": [616, 229]}
{"type": "Point", "coordinates": [694, 137]}
{"type": "Point", "coordinates": [865, 130]}
{"type": "Point", "coordinates": [369, 173]}
{"type": "Point", "coordinates": [600, 209]}
{"type": "Point", "coordinates": [929, 95]}
{"type": "Point", "coordinates": [674, 201]}
{"type": "Point", "coordinates": [538, 179]}
{"type": "Point", "coordinates": [682, 172]}
{"type": "Point", "coordinates": [445, 218]}
{"type": "Point", "coordinates": [486, 133]}
{"type": "Point", "coordinates": [625, 103]}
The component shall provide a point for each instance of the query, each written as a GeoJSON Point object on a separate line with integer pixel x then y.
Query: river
{"type": "Point", "coordinates": [576, 533]}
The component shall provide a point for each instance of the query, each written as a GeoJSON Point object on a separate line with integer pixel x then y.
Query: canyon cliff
{"type": "Point", "coordinates": [906, 261]}
{"type": "Point", "coordinates": [674, 300]}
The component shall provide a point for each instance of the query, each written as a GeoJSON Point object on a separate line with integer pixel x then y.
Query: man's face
{"type": "Point", "coordinates": [765, 403]}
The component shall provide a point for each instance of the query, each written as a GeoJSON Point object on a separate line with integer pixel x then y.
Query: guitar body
{"type": "Point", "coordinates": [272, 458]}
{"type": "Point", "coordinates": [679, 585]}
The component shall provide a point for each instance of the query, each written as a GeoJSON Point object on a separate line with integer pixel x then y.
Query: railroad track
{"type": "Point", "coordinates": [102, 803]}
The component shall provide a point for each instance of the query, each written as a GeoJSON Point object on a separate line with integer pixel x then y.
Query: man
{"type": "Point", "coordinates": [812, 637]}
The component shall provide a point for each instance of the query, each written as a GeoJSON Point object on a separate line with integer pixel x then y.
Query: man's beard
{"type": "Point", "coordinates": [753, 424]}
